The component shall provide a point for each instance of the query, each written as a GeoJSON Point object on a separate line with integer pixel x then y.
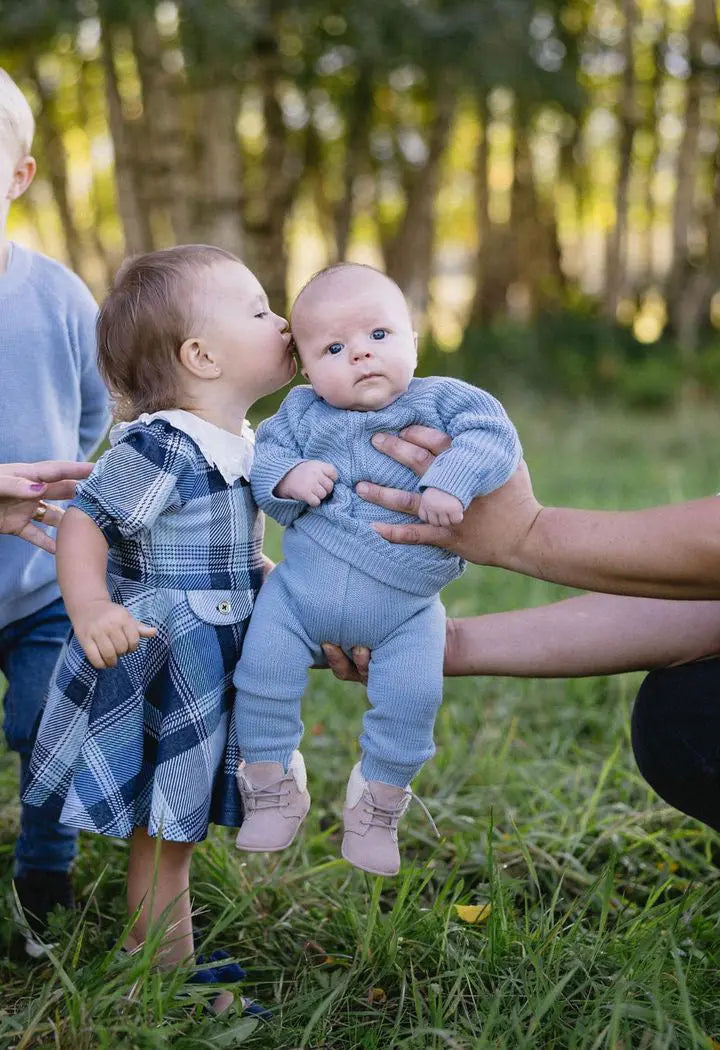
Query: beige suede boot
{"type": "Point", "coordinates": [371, 815]}
{"type": "Point", "coordinates": [275, 803]}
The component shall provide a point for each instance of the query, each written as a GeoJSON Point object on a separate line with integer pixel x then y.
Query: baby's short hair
{"type": "Point", "coordinates": [338, 268]}
{"type": "Point", "coordinates": [17, 124]}
{"type": "Point", "coordinates": [144, 321]}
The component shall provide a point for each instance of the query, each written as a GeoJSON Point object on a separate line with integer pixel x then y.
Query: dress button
{"type": "Point", "coordinates": [224, 607]}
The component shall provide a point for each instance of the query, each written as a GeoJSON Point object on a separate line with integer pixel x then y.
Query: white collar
{"type": "Point", "coordinates": [232, 454]}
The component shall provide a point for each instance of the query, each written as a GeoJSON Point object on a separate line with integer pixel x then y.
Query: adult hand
{"type": "Point", "coordinates": [356, 670]}
{"type": "Point", "coordinates": [493, 527]}
{"type": "Point", "coordinates": [23, 489]}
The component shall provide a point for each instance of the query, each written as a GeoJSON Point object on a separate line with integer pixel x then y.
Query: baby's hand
{"type": "Point", "coordinates": [310, 481]}
{"type": "Point", "coordinates": [440, 508]}
{"type": "Point", "coordinates": [107, 630]}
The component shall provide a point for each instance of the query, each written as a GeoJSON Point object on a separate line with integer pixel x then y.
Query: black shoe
{"type": "Point", "coordinates": [39, 893]}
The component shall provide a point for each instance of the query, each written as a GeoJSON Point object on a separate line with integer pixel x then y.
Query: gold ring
{"type": "Point", "coordinates": [42, 509]}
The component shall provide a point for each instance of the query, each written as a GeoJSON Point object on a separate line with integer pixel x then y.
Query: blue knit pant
{"type": "Point", "coordinates": [311, 598]}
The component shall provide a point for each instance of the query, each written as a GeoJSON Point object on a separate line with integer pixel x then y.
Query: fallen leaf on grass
{"type": "Point", "coordinates": [473, 912]}
{"type": "Point", "coordinates": [377, 996]}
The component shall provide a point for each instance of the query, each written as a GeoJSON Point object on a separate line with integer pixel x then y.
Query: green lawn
{"type": "Point", "coordinates": [602, 929]}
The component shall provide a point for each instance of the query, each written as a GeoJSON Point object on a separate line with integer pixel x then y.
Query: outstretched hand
{"type": "Point", "coordinates": [493, 526]}
{"type": "Point", "coordinates": [23, 489]}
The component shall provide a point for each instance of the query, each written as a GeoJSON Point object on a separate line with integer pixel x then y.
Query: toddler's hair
{"type": "Point", "coordinates": [144, 321]}
{"type": "Point", "coordinates": [17, 124]}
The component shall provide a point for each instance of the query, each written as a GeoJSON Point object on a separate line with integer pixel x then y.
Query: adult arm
{"type": "Point", "coordinates": [671, 551]}
{"type": "Point", "coordinates": [23, 485]}
{"type": "Point", "coordinates": [591, 634]}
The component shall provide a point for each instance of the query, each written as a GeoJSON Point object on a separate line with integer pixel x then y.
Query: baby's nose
{"type": "Point", "coordinates": [360, 353]}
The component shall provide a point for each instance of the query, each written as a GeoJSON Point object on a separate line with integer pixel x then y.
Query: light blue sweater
{"type": "Point", "coordinates": [53, 404]}
{"type": "Point", "coordinates": [484, 454]}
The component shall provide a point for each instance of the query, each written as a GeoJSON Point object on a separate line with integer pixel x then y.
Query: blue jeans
{"type": "Point", "coordinates": [29, 649]}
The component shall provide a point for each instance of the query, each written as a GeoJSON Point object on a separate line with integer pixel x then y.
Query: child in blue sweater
{"type": "Point", "coordinates": [340, 580]}
{"type": "Point", "coordinates": [53, 405]}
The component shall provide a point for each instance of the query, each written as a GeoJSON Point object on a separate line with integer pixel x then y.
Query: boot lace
{"type": "Point", "coordinates": [268, 797]}
{"type": "Point", "coordinates": [388, 816]}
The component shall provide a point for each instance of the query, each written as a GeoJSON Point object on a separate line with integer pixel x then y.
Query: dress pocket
{"type": "Point", "coordinates": [221, 607]}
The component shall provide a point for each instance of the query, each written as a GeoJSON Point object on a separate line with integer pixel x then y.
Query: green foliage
{"type": "Point", "coordinates": [578, 355]}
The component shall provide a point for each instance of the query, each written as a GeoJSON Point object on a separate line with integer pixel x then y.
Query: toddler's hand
{"type": "Point", "coordinates": [107, 630]}
{"type": "Point", "coordinates": [310, 481]}
{"type": "Point", "coordinates": [440, 508]}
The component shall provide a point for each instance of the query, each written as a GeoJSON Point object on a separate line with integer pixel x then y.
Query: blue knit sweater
{"type": "Point", "coordinates": [53, 404]}
{"type": "Point", "coordinates": [484, 454]}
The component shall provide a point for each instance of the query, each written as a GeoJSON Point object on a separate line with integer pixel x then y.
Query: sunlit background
{"type": "Point", "coordinates": [542, 178]}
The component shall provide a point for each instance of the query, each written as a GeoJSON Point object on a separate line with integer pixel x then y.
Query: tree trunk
{"type": "Point", "coordinates": [409, 256]}
{"type": "Point", "coordinates": [356, 150]}
{"type": "Point", "coordinates": [616, 247]}
{"type": "Point", "coordinates": [217, 215]}
{"type": "Point", "coordinates": [131, 205]}
{"type": "Point", "coordinates": [266, 215]}
{"type": "Point", "coordinates": [703, 30]}
{"type": "Point", "coordinates": [168, 170]}
{"type": "Point", "coordinates": [703, 279]}
{"type": "Point", "coordinates": [56, 168]}
{"type": "Point", "coordinates": [535, 249]}
{"type": "Point", "coordinates": [482, 308]}
{"type": "Point", "coordinates": [107, 264]}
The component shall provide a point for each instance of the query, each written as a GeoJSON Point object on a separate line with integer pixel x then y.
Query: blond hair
{"type": "Point", "coordinates": [16, 117]}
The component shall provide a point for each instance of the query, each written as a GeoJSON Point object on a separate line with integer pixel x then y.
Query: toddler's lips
{"type": "Point", "coordinates": [370, 375]}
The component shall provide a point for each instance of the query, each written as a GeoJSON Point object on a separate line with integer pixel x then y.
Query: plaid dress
{"type": "Point", "coordinates": [148, 743]}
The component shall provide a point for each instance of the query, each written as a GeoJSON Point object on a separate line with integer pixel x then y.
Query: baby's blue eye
{"type": "Point", "coordinates": [378, 334]}
{"type": "Point", "coordinates": [334, 348]}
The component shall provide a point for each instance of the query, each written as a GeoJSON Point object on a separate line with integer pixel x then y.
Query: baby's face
{"type": "Point", "coordinates": [355, 339]}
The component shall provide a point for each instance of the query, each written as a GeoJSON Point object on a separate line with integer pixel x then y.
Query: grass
{"type": "Point", "coordinates": [604, 904]}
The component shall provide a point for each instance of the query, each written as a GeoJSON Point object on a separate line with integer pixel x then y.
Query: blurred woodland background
{"type": "Point", "coordinates": [542, 177]}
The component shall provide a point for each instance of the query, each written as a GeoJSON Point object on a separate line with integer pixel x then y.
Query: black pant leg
{"type": "Point", "coordinates": [676, 737]}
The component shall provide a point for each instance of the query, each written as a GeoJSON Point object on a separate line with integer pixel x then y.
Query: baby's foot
{"type": "Point", "coordinates": [371, 815]}
{"type": "Point", "coordinates": [275, 804]}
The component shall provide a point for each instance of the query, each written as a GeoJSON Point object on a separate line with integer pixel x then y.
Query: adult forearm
{"type": "Point", "coordinates": [588, 635]}
{"type": "Point", "coordinates": [671, 551]}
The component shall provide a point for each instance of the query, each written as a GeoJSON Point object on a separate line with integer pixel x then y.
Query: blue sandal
{"type": "Point", "coordinates": [230, 973]}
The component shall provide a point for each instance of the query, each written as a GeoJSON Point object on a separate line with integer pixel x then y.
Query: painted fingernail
{"type": "Point", "coordinates": [37, 486]}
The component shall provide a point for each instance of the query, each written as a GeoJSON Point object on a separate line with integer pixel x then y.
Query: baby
{"type": "Point", "coordinates": [340, 581]}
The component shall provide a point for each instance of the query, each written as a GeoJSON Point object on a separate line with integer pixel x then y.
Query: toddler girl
{"type": "Point", "coordinates": [159, 561]}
